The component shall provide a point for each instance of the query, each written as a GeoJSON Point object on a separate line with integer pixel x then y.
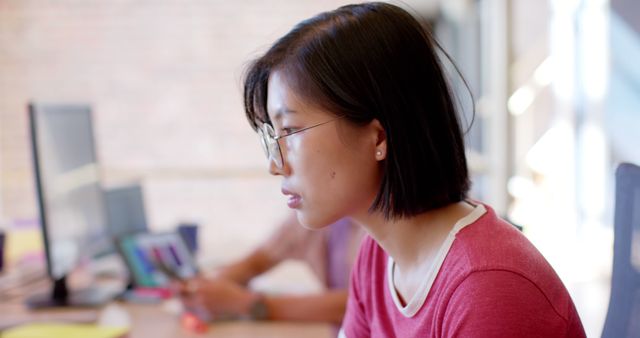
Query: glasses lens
{"type": "Point", "coordinates": [273, 148]}
{"type": "Point", "coordinates": [263, 141]}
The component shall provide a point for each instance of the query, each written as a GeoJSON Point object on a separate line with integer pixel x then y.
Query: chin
{"type": "Point", "coordinates": [312, 223]}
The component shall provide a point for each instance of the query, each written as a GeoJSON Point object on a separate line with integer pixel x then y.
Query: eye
{"type": "Point", "coordinates": [288, 130]}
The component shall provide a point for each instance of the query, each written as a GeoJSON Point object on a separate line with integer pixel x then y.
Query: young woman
{"type": "Point", "coordinates": [356, 116]}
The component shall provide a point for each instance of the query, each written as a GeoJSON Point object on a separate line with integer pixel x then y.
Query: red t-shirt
{"type": "Point", "coordinates": [492, 283]}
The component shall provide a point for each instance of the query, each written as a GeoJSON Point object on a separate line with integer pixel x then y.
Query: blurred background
{"type": "Point", "coordinates": [555, 84]}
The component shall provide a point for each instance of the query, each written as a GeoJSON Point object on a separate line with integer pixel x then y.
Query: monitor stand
{"type": "Point", "coordinates": [61, 296]}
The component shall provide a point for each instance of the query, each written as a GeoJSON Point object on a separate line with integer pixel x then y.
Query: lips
{"type": "Point", "coordinates": [294, 200]}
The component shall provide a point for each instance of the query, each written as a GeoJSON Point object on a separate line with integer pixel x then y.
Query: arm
{"type": "Point", "coordinates": [223, 299]}
{"type": "Point", "coordinates": [327, 306]}
{"type": "Point", "coordinates": [245, 269]}
{"type": "Point", "coordinates": [265, 257]}
{"type": "Point", "coordinates": [226, 293]}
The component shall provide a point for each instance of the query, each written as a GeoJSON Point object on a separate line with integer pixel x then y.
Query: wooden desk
{"type": "Point", "coordinates": [150, 321]}
{"type": "Point", "coordinates": [154, 321]}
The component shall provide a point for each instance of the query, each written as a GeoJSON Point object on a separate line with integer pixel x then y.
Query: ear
{"type": "Point", "coordinates": [380, 140]}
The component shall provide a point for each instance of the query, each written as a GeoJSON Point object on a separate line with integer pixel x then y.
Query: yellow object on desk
{"type": "Point", "coordinates": [59, 330]}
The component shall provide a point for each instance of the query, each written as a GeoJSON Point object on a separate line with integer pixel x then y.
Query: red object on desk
{"type": "Point", "coordinates": [158, 292]}
{"type": "Point", "coordinates": [192, 323]}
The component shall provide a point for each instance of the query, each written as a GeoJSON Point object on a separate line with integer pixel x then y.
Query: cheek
{"type": "Point", "coordinates": [335, 180]}
{"type": "Point", "coordinates": [330, 170]}
{"type": "Point", "coordinates": [344, 175]}
{"type": "Point", "coordinates": [306, 153]}
{"type": "Point", "coordinates": [359, 180]}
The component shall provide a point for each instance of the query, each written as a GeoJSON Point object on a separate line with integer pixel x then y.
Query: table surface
{"type": "Point", "coordinates": [153, 320]}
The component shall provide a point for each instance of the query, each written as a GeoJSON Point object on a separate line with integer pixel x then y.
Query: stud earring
{"type": "Point", "coordinates": [379, 153]}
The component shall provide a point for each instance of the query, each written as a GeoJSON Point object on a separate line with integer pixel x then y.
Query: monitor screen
{"type": "Point", "coordinates": [125, 210]}
{"type": "Point", "coordinates": [70, 198]}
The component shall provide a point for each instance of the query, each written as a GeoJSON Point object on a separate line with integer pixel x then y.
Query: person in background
{"type": "Point", "coordinates": [329, 253]}
{"type": "Point", "coordinates": [358, 119]}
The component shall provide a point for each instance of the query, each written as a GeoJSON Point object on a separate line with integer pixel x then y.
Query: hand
{"type": "Point", "coordinates": [216, 298]}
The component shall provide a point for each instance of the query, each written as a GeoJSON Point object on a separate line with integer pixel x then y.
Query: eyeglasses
{"type": "Point", "coordinates": [270, 143]}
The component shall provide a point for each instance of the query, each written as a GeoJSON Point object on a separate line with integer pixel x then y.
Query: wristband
{"type": "Point", "coordinates": [258, 310]}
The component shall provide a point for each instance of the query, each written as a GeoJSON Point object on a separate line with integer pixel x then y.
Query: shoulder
{"type": "Point", "coordinates": [491, 243]}
{"type": "Point", "coordinates": [508, 302]}
{"type": "Point", "coordinates": [369, 272]}
{"type": "Point", "coordinates": [370, 257]}
{"type": "Point", "coordinates": [493, 271]}
{"type": "Point", "coordinates": [364, 280]}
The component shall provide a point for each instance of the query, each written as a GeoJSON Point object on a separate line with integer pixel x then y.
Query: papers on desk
{"type": "Point", "coordinates": [47, 330]}
{"type": "Point", "coordinates": [14, 316]}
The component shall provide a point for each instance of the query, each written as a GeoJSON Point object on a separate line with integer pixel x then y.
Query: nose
{"type": "Point", "coordinates": [273, 168]}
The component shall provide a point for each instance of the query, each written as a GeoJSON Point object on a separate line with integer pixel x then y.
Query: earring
{"type": "Point", "coordinates": [379, 153]}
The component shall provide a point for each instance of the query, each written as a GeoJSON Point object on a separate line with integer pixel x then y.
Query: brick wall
{"type": "Point", "coordinates": [163, 78]}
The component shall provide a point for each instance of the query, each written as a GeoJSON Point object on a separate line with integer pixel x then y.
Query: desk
{"type": "Point", "coordinates": [149, 321]}
{"type": "Point", "coordinates": [153, 321]}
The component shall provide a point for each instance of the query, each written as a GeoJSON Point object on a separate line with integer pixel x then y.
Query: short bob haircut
{"type": "Point", "coordinates": [375, 61]}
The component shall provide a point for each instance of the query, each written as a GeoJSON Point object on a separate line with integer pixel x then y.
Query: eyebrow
{"type": "Point", "coordinates": [282, 111]}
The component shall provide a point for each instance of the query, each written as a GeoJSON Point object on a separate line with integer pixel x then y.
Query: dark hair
{"type": "Point", "coordinates": [375, 61]}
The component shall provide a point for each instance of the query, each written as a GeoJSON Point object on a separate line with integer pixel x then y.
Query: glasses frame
{"type": "Point", "coordinates": [270, 144]}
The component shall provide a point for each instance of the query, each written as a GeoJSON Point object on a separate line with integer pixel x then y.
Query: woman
{"type": "Point", "coordinates": [357, 118]}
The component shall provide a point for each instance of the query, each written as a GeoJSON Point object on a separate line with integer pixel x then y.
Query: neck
{"type": "Point", "coordinates": [414, 240]}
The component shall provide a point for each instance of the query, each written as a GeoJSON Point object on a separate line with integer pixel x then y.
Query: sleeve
{"type": "Point", "coordinates": [355, 323]}
{"type": "Point", "coordinates": [499, 303]}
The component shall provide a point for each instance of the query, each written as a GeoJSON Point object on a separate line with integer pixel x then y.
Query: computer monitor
{"type": "Point", "coordinates": [70, 198]}
{"type": "Point", "coordinates": [125, 210]}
